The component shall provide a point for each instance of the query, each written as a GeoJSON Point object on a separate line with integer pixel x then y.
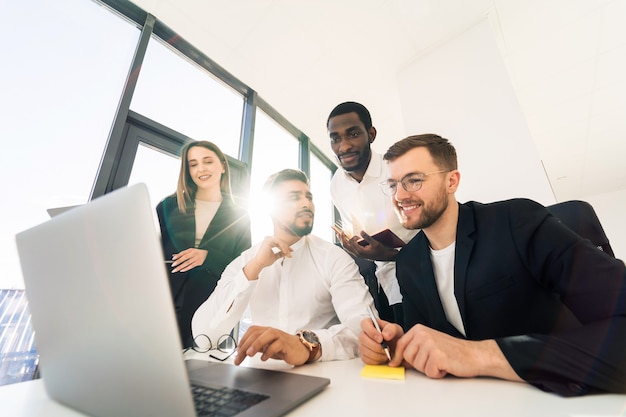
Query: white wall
{"type": "Point", "coordinates": [461, 90]}
{"type": "Point", "coordinates": [610, 210]}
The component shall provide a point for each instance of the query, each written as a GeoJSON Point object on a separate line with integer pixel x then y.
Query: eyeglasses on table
{"type": "Point", "coordinates": [226, 344]}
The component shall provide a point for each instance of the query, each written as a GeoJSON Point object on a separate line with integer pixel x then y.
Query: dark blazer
{"type": "Point", "coordinates": [226, 237]}
{"type": "Point", "coordinates": [554, 303]}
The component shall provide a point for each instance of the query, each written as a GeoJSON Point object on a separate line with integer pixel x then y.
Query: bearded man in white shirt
{"type": "Point", "coordinates": [364, 209]}
{"type": "Point", "coordinates": [305, 295]}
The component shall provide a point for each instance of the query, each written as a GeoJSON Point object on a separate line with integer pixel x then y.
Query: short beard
{"type": "Point", "coordinates": [364, 159]}
{"type": "Point", "coordinates": [300, 231]}
{"type": "Point", "coordinates": [362, 163]}
{"type": "Point", "coordinates": [430, 215]}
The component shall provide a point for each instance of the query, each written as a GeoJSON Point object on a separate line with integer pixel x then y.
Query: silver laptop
{"type": "Point", "coordinates": [104, 321]}
{"type": "Point", "coordinates": [55, 211]}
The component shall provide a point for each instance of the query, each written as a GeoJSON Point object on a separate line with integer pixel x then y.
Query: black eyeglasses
{"type": "Point", "coordinates": [226, 345]}
{"type": "Point", "coordinates": [411, 183]}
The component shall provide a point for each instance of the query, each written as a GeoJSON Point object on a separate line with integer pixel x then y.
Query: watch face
{"type": "Point", "coordinates": [310, 337]}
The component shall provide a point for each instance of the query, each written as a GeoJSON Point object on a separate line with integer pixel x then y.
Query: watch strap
{"type": "Point", "coordinates": [314, 348]}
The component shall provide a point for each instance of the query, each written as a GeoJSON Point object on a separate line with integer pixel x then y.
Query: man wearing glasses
{"type": "Point", "coordinates": [305, 295]}
{"type": "Point", "coordinates": [502, 289]}
{"type": "Point", "coordinates": [364, 210]}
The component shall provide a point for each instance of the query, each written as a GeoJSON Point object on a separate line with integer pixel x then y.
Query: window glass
{"type": "Point", "coordinates": [158, 170]}
{"type": "Point", "coordinates": [274, 149]}
{"type": "Point", "coordinates": [61, 80]}
{"type": "Point", "coordinates": [320, 187]}
{"type": "Point", "coordinates": [184, 97]}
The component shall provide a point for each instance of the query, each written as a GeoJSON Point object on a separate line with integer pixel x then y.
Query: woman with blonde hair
{"type": "Point", "coordinates": [202, 230]}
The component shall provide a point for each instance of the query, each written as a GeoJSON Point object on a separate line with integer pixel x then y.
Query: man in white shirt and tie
{"type": "Point", "coordinates": [305, 295]}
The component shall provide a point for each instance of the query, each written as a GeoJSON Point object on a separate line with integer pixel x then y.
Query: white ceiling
{"type": "Point", "coordinates": [566, 60]}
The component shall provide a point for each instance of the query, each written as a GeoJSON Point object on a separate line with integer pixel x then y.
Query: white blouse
{"type": "Point", "coordinates": [204, 212]}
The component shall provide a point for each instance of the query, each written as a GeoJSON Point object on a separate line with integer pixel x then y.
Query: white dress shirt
{"type": "Point", "coordinates": [363, 206]}
{"type": "Point", "coordinates": [319, 289]}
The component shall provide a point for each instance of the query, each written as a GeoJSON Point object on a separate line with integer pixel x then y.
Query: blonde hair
{"type": "Point", "coordinates": [186, 189]}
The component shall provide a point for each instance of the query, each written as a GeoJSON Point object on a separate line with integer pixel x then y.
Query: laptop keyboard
{"type": "Point", "coordinates": [223, 401]}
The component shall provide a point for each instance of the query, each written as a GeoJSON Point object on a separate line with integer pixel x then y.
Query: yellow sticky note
{"type": "Point", "coordinates": [382, 372]}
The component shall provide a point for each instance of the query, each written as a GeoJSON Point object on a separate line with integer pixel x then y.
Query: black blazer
{"type": "Point", "coordinates": [554, 303]}
{"type": "Point", "coordinates": [226, 237]}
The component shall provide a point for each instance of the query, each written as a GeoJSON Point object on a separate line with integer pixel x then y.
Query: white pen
{"type": "Point", "coordinates": [383, 344]}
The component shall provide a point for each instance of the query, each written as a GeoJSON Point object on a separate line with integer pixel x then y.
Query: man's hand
{"type": "Point", "coordinates": [370, 341]}
{"type": "Point", "coordinates": [272, 343]}
{"type": "Point", "coordinates": [437, 354]}
{"type": "Point", "coordinates": [373, 250]}
{"type": "Point", "coordinates": [270, 251]}
{"type": "Point", "coordinates": [188, 259]}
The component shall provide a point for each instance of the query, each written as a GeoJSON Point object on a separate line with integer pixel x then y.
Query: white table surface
{"type": "Point", "coordinates": [351, 395]}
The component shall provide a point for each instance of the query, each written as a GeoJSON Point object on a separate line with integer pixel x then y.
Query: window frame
{"type": "Point", "coordinates": [114, 153]}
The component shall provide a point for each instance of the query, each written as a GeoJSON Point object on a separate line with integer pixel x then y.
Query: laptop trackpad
{"type": "Point", "coordinates": [264, 381]}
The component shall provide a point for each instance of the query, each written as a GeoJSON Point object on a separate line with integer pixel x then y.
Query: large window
{"type": "Point", "coordinates": [62, 74]}
{"type": "Point", "coordinates": [158, 170]}
{"type": "Point", "coordinates": [320, 187]}
{"type": "Point", "coordinates": [178, 94]}
{"type": "Point", "coordinates": [274, 149]}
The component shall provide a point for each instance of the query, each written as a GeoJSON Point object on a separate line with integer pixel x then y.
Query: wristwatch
{"type": "Point", "coordinates": [310, 340]}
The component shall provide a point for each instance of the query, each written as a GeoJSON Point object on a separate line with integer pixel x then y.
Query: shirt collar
{"type": "Point", "coordinates": [300, 243]}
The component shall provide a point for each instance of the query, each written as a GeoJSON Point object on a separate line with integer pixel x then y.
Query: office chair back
{"type": "Point", "coordinates": [582, 219]}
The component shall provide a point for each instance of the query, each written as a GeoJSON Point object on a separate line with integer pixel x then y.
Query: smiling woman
{"type": "Point", "coordinates": [202, 229]}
